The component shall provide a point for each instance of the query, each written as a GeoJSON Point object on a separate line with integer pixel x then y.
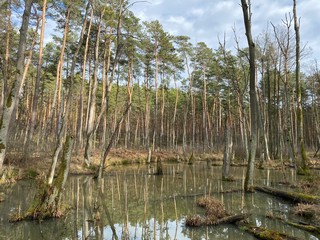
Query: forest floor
{"type": "Point", "coordinates": [39, 163]}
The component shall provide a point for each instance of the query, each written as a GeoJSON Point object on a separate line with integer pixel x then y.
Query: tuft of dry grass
{"type": "Point", "coordinates": [214, 208]}
{"type": "Point", "coordinates": [214, 211]}
{"type": "Point", "coordinates": [308, 211]}
{"type": "Point", "coordinates": [310, 185]}
{"type": "Point", "coordinates": [194, 221]}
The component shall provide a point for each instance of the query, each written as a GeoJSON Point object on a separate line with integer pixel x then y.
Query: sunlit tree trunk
{"type": "Point", "coordinates": [56, 96]}
{"type": "Point", "coordinates": [37, 83]}
{"type": "Point", "coordinates": [147, 112]}
{"type": "Point", "coordinates": [13, 97]}
{"type": "Point", "coordinates": [26, 68]}
{"type": "Point", "coordinates": [65, 118]}
{"type": "Point", "coordinates": [129, 91]}
{"type": "Point", "coordinates": [105, 86]}
{"type": "Point", "coordinates": [155, 127]}
{"type": "Point", "coordinates": [175, 112]}
{"type": "Point", "coordinates": [204, 112]}
{"type": "Point", "coordinates": [92, 108]}
{"type": "Point", "coordinates": [162, 115]}
{"type": "Point", "coordinates": [6, 60]}
{"type": "Point", "coordinates": [81, 108]}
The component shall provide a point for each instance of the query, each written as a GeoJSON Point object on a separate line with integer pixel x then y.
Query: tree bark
{"type": "Point", "coordinates": [253, 96]}
{"type": "Point", "coordinates": [99, 174]}
{"type": "Point", "coordinates": [6, 64]}
{"type": "Point", "coordinates": [37, 83]}
{"type": "Point", "coordinates": [57, 88]}
{"type": "Point", "coordinates": [13, 98]}
{"type": "Point", "coordinates": [92, 106]}
{"type": "Point", "coordinates": [62, 131]}
{"type": "Point", "coordinates": [227, 148]}
{"type": "Point", "coordinates": [302, 163]}
{"type": "Point", "coordinates": [80, 119]}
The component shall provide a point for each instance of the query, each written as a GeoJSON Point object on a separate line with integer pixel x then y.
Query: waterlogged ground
{"type": "Point", "coordinates": [131, 203]}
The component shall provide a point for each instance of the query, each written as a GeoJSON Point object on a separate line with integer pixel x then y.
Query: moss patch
{"type": "Point", "coordinates": [266, 234]}
{"type": "Point", "coordinates": [304, 171]}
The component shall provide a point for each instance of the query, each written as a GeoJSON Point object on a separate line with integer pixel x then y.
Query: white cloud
{"type": "Point", "coordinates": [177, 19]}
{"type": "Point", "coordinates": [204, 20]}
{"type": "Point", "coordinates": [198, 12]}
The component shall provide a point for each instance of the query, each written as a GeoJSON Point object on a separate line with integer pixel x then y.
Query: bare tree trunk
{"type": "Point", "coordinates": [105, 83]}
{"type": "Point", "coordinates": [193, 113]}
{"type": "Point", "coordinates": [155, 127]}
{"type": "Point", "coordinates": [162, 115]}
{"type": "Point", "coordinates": [129, 91]}
{"type": "Point", "coordinates": [57, 87]}
{"type": "Point", "coordinates": [302, 163]}
{"type": "Point", "coordinates": [92, 108]}
{"type": "Point", "coordinates": [13, 97]}
{"type": "Point", "coordinates": [175, 113]}
{"type": "Point", "coordinates": [204, 113]}
{"type": "Point", "coordinates": [63, 129]}
{"type": "Point", "coordinates": [253, 96]}
{"type": "Point", "coordinates": [37, 83]}
{"type": "Point", "coordinates": [99, 174]}
{"type": "Point", "coordinates": [147, 113]}
{"type": "Point", "coordinates": [228, 143]}
{"type": "Point", "coordinates": [284, 46]}
{"type": "Point", "coordinates": [26, 67]}
{"type": "Point", "coordinates": [6, 64]}
{"type": "Point", "coordinates": [80, 119]}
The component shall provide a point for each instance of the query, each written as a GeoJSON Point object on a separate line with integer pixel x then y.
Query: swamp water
{"type": "Point", "coordinates": [130, 203]}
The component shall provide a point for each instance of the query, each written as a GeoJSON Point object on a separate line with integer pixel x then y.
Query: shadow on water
{"type": "Point", "coordinates": [134, 204]}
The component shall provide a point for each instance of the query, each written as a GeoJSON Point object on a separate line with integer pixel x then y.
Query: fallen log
{"type": "Point", "coordinates": [231, 219]}
{"type": "Point", "coordinates": [309, 228]}
{"type": "Point", "coordinates": [266, 234]}
{"type": "Point", "coordinates": [197, 221]}
{"type": "Point", "coordinates": [294, 197]}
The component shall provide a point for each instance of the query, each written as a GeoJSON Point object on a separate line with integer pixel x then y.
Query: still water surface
{"type": "Point", "coordinates": [134, 204]}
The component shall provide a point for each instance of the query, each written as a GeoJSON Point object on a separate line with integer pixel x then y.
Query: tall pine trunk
{"type": "Point", "coordinates": [92, 106]}
{"type": "Point", "coordinates": [13, 97]}
{"type": "Point", "coordinates": [37, 83]}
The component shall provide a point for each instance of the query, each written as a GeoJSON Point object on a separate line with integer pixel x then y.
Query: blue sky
{"type": "Point", "coordinates": [206, 20]}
